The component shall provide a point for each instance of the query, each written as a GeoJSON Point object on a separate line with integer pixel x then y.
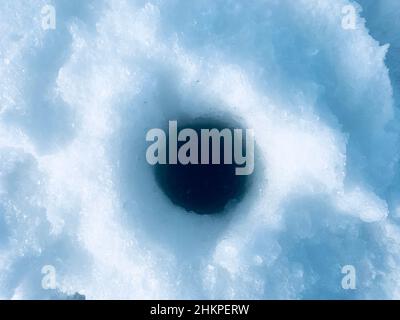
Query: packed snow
{"type": "Point", "coordinates": [76, 193]}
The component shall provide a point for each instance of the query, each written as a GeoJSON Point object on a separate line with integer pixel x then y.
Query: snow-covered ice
{"type": "Point", "coordinates": [76, 193]}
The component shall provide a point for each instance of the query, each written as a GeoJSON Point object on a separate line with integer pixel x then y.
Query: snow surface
{"type": "Point", "coordinates": [76, 193]}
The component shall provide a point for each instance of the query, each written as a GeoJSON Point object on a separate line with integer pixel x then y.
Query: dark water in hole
{"type": "Point", "coordinates": [202, 189]}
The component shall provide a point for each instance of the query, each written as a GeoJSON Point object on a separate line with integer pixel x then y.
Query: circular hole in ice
{"type": "Point", "coordinates": [203, 188]}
